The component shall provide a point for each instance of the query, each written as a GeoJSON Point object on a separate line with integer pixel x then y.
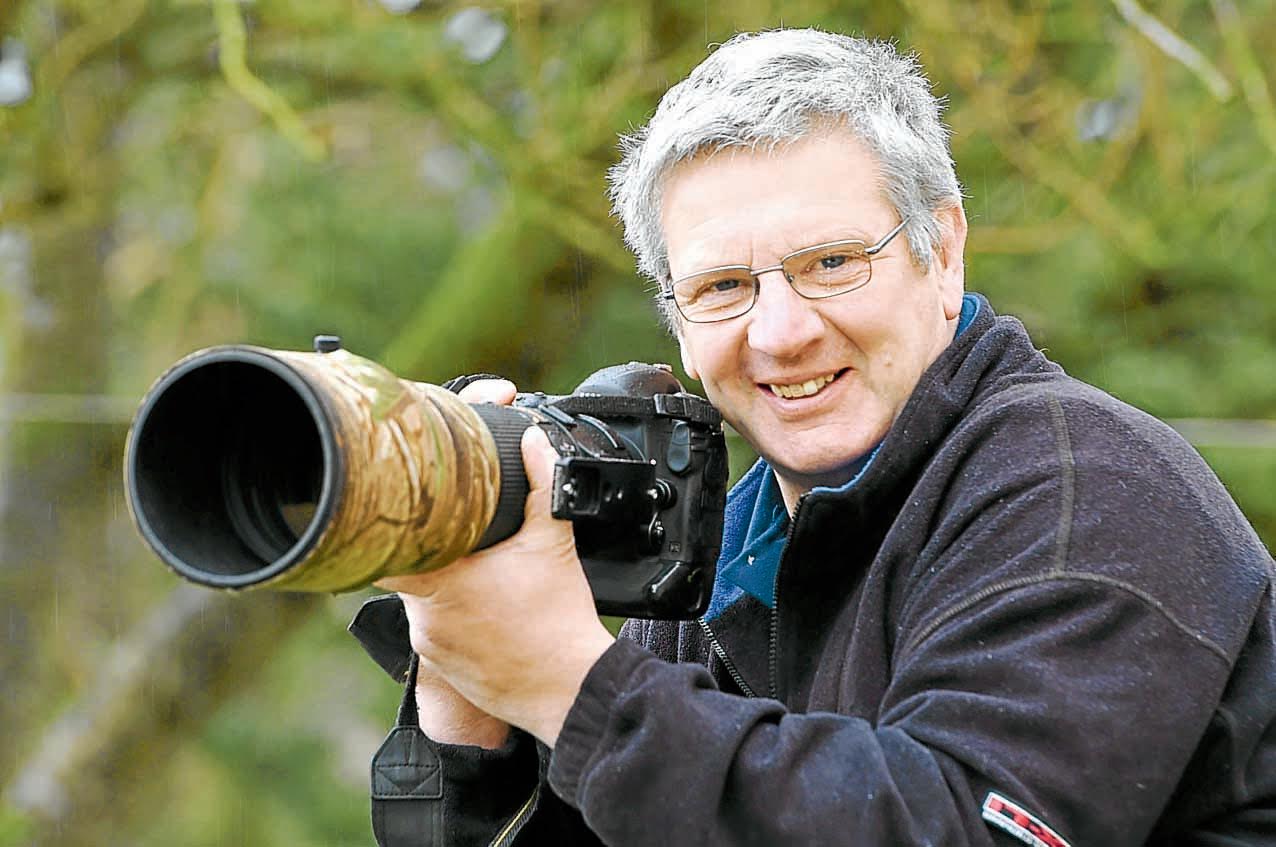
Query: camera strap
{"type": "Point", "coordinates": [407, 780]}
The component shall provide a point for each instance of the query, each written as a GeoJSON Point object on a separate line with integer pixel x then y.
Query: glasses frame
{"type": "Point", "coordinates": [666, 287]}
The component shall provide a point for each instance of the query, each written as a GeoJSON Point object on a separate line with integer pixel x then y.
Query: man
{"type": "Point", "coordinates": [963, 598]}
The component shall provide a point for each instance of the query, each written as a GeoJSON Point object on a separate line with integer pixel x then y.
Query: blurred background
{"type": "Point", "coordinates": [426, 179]}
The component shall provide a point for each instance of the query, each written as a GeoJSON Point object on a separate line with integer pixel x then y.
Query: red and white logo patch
{"type": "Point", "coordinates": [1015, 819]}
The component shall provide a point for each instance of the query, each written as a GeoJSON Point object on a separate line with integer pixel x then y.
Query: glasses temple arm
{"type": "Point", "coordinates": [886, 239]}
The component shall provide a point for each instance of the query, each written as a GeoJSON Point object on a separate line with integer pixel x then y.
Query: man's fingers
{"type": "Point", "coordinates": [499, 391]}
{"type": "Point", "coordinates": [538, 462]}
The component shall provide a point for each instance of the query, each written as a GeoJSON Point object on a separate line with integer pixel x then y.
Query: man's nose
{"type": "Point", "coordinates": [783, 324]}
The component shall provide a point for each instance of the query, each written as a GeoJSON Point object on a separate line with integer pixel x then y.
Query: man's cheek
{"type": "Point", "coordinates": [689, 363]}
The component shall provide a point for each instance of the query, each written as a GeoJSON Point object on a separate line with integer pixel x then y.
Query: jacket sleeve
{"type": "Point", "coordinates": [426, 794]}
{"type": "Point", "coordinates": [472, 797]}
{"type": "Point", "coordinates": [475, 797]}
{"type": "Point", "coordinates": [1052, 676]}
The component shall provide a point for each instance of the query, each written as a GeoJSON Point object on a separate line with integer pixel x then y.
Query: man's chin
{"type": "Point", "coordinates": [817, 472]}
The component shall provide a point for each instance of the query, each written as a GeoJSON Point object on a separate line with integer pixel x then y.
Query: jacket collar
{"type": "Point", "coordinates": [985, 348]}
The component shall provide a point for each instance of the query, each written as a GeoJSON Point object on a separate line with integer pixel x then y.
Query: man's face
{"type": "Point", "coordinates": [865, 350]}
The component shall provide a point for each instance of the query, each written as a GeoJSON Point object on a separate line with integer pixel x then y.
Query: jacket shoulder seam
{"type": "Point", "coordinates": [1065, 576]}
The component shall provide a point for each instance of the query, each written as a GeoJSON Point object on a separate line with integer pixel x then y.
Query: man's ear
{"type": "Point", "coordinates": [949, 262]}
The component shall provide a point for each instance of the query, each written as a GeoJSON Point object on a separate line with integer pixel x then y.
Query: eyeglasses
{"type": "Point", "coordinates": [825, 270]}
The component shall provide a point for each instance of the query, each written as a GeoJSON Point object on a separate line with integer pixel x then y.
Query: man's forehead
{"type": "Point", "coordinates": [759, 148]}
{"type": "Point", "coordinates": [739, 203]}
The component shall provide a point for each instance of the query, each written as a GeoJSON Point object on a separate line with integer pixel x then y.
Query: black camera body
{"type": "Point", "coordinates": [642, 475]}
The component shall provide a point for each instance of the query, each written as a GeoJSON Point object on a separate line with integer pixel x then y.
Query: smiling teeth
{"type": "Point", "coordinates": [802, 389]}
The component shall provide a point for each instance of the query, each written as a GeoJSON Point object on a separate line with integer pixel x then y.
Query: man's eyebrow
{"type": "Point", "coordinates": [708, 258]}
{"type": "Point", "coordinates": [846, 233]}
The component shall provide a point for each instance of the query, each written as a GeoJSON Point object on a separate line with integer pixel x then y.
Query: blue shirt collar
{"type": "Point", "coordinates": [969, 308]}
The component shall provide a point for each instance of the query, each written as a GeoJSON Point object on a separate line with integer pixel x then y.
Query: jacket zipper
{"type": "Point", "coordinates": [726, 662]}
{"type": "Point", "coordinates": [507, 834]}
{"type": "Point", "coordinates": [773, 653]}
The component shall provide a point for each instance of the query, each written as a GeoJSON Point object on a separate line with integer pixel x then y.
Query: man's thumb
{"type": "Point", "coordinates": [538, 463]}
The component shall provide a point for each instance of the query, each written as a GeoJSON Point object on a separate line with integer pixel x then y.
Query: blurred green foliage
{"type": "Point", "coordinates": [430, 185]}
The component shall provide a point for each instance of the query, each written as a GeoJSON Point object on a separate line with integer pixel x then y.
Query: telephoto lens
{"type": "Point", "coordinates": [248, 467]}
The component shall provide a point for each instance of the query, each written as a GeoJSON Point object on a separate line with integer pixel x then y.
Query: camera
{"type": "Point", "coordinates": [248, 467]}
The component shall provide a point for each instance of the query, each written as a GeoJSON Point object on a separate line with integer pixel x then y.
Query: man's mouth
{"type": "Point", "coordinates": [808, 388]}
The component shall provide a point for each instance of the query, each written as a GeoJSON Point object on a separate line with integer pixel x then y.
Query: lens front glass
{"type": "Point", "coordinates": [270, 487]}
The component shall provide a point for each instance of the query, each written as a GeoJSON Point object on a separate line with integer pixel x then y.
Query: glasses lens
{"type": "Point", "coordinates": [715, 295]}
{"type": "Point", "coordinates": [829, 269]}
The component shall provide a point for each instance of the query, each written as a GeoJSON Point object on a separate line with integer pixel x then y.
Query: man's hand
{"type": "Point", "coordinates": [512, 629]}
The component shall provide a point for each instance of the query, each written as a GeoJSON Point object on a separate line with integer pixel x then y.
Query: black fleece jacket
{"type": "Point", "coordinates": [1036, 615]}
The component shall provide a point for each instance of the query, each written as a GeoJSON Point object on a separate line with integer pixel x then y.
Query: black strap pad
{"type": "Point", "coordinates": [407, 781]}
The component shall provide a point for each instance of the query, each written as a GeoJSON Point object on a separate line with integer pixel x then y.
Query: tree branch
{"type": "Point", "coordinates": [1175, 47]}
{"type": "Point", "coordinates": [1253, 83]}
{"type": "Point", "coordinates": [81, 43]}
{"type": "Point", "coordinates": [231, 57]}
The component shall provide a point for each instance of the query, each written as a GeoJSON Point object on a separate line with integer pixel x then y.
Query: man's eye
{"type": "Point", "coordinates": [835, 260]}
{"type": "Point", "coordinates": [712, 288]}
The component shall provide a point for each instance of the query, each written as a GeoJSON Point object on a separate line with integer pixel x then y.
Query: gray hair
{"type": "Point", "coordinates": [762, 90]}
